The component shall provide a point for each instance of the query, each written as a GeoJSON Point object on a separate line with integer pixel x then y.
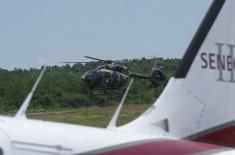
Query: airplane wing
{"type": "Point", "coordinates": [197, 104]}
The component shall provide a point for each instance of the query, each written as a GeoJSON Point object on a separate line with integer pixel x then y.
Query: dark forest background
{"type": "Point", "coordinates": [61, 86]}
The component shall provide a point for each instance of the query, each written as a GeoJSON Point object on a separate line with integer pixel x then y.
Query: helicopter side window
{"type": "Point", "coordinates": [98, 75]}
{"type": "Point", "coordinates": [107, 75]}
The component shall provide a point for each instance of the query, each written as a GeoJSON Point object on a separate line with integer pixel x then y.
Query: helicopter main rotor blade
{"type": "Point", "coordinates": [74, 62]}
{"type": "Point", "coordinates": [93, 58]}
{"type": "Point", "coordinates": [106, 61]}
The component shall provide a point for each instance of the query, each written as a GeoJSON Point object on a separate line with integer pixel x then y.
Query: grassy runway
{"type": "Point", "coordinates": [92, 116]}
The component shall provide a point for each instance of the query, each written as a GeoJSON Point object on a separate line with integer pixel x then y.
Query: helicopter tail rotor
{"type": "Point", "coordinates": [157, 76]}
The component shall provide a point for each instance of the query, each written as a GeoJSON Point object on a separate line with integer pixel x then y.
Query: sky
{"type": "Point", "coordinates": [36, 32]}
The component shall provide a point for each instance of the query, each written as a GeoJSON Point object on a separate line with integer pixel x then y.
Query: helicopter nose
{"type": "Point", "coordinates": [86, 78]}
{"type": "Point", "coordinates": [83, 77]}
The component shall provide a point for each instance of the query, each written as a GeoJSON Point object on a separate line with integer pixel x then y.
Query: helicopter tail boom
{"type": "Point", "coordinates": [156, 77]}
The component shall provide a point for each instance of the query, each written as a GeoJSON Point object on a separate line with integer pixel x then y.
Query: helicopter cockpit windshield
{"type": "Point", "coordinates": [92, 77]}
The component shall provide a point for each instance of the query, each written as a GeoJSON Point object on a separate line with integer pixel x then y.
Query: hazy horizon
{"type": "Point", "coordinates": [48, 32]}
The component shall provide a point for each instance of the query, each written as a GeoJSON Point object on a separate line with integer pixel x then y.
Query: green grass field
{"type": "Point", "coordinates": [92, 116]}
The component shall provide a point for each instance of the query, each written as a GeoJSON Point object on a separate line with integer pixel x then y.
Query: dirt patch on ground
{"type": "Point", "coordinates": [126, 109]}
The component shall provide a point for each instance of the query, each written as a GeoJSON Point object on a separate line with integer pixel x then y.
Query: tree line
{"type": "Point", "coordinates": [61, 86]}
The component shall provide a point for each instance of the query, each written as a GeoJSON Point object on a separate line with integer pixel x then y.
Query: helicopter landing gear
{"type": "Point", "coordinates": [105, 91]}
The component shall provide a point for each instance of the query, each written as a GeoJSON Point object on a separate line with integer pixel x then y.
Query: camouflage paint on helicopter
{"type": "Point", "coordinates": [114, 76]}
{"type": "Point", "coordinates": [104, 79]}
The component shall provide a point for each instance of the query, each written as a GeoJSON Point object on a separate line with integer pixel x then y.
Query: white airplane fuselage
{"type": "Point", "coordinates": [25, 136]}
{"type": "Point", "coordinates": [196, 107]}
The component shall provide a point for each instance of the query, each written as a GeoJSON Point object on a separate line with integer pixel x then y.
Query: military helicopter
{"type": "Point", "coordinates": [111, 75]}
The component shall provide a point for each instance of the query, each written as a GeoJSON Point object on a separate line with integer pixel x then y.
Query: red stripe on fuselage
{"type": "Point", "coordinates": [224, 137]}
{"type": "Point", "coordinates": [166, 147]}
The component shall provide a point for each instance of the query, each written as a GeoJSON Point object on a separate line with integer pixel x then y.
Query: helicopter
{"type": "Point", "coordinates": [113, 76]}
